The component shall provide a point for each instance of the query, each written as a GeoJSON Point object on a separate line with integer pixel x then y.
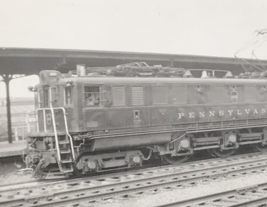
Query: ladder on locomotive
{"type": "Point", "coordinates": [64, 144]}
{"type": "Point", "coordinates": [63, 140]}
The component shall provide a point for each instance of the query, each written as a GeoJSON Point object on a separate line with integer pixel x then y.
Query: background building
{"type": "Point", "coordinates": [21, 122]}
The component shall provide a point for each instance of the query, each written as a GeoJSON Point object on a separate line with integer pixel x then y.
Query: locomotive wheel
{"type": "Point", "coordinates": [259, 148]}
{"type": "Point", "coordinates": [175, 159]}
{"type": "Point", "coordinates": [78, 172]}
{"type": "Point", "coordinates": [221, 153]}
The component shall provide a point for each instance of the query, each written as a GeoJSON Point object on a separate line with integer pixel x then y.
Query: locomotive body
{"type": "Point", "coordinates": [89, 123]}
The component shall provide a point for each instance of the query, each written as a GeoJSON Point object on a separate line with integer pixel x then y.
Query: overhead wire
{"type": "Point", "coordinates": [256, 42]}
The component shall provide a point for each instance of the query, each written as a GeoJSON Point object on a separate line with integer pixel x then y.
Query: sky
{"type": "Point", "coordinates": [206, 27]}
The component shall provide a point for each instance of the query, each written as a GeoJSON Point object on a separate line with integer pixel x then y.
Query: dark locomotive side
{"type": "Point", "coordinates": [94, 122]}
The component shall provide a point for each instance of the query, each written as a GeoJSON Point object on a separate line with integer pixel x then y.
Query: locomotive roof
{"type": "Point", "coordinates": [160, 80]}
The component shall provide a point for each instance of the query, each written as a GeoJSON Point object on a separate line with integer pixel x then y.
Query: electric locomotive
{"type": "Point", "coordinates": [98, 119]}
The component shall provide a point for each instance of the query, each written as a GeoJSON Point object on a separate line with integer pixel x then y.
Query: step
{"type": "Point", "coordinates": [57, 175]}
{"type": "Point", "coordinates": [63, 142]}
{"type": "Point", "coordinates": [65, 151]}
{"type": "Point", "coordinates": [66, 161]}
{"type": "Point", "coordinates": [45, 134]}
{"type": "Point", "coordinates": [68, 171]}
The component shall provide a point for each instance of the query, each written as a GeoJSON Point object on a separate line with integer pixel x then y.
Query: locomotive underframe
{"type": "Point", "coordinates": [100, 162]}
{"type": "Point", "coordinates": [95, 155]}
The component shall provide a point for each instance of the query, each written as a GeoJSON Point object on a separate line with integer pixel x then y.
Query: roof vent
{"type": "Point", "coordinates": [228, 75]}
{"type": "Point", "coordinates": [81, 70]}
{"type": "Point", "coordinates": [204, 74]}
{"type": "Point", "coordinates": [187, 74]}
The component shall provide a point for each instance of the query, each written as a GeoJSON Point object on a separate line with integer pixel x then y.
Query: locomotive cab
{"type": "Point", "coordinates": [53, 94]}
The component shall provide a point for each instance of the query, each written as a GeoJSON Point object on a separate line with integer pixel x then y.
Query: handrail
{"type": "Point", "coordinates": [66, 127]}
{"type": "Point", "coordinates": [37, 122]}
{"type": "Point", "coordinates": [54, 126]}
{"type": "Point", "coordinates": [55, 132]}
{"type": "Point", "coordinates": [67, 131]}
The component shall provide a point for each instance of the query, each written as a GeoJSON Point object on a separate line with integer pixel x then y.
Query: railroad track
{"type": "Point", "coordinates": [86, 191]}
{"type": "Point", "coordinates": [35, 182]}
{"type": "Point", "coordinates": [255, 195]}
{"type": "Point", "coordinates": [123, 175]}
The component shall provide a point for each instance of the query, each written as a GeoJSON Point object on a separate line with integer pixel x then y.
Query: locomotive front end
{"type": "Point", "coordinates": [50, 145]}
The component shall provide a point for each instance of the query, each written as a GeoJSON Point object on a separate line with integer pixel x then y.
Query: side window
{"type": "Point", "coordinates": [197, 94]}
{"type": "Point", "coordinates": [118, 93]}
{"type": "Point", "coordinates": [40, 98]}
{"type": "Point", "coordinates": [46, 97]}
{"type": "Point", "coordinates": [53, 96]}
{"type": "Point", "coordinates": [92, 96]}
{"type": "Point", "coordinates": [237, 93]}
{"type": "Point", "coordinates": [262, 93]}
{"type": "Point", "coordinates": [137, 96]}
{"type": "Point", "coordinates": [36, 100]}
{"type": "Point", "coordinates": [68, 96]}
{"type": "Point", "coordinates": [160, 95]}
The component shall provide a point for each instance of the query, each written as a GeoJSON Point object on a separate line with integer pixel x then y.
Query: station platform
{"type": "Point", "coordinates": [14, 149]}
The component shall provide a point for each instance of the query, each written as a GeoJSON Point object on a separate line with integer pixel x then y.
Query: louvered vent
{"type": "Point", "coordinates": [137, 96]}
{"type": "Point", "coordinates": [118, 96]}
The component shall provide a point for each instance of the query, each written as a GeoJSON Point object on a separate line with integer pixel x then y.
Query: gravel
{"type": "Point", "coordinates": [202, 189]}
{"type": "Point", "coordinates": [10, 171]}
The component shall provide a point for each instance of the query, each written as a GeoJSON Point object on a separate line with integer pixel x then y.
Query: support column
{"type": "Point", "coordinates": [7, 78]}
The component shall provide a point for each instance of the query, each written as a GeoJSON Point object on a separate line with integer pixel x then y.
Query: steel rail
{"type": "Point", "coordinates": [93, 192]}
{"type": "Point", "coordinates": [255, 195]}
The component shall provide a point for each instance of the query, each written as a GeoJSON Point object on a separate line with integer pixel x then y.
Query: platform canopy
{"type": "Point", "coordinates": [30, 61]}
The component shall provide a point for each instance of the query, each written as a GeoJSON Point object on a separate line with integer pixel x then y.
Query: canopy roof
{"type": "Point", "coordinates": [30, 61]}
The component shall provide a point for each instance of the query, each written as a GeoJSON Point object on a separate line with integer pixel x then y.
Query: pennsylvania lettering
{"type": "Point", "coordinates": [221, 113]}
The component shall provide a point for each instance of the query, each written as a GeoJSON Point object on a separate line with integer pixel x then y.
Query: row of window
{"type": "Point", "coordinates": [161, 95]}
{"type": "Point", "coordinates": [178, 94]}
{"type": "Point", "coordinates": [44, 96]}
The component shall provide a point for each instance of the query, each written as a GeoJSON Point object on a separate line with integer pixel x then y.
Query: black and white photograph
{"type": "Point", "coordinates": [133, 103]}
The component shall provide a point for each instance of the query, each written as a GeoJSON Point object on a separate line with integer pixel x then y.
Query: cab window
{"type": "Point", "coordinates": [92, 96]}
{"type": "Point", "coordinates": [53, 95]}
{"type": "Point", "coordinates": [36, 101]}
{"type": "Point", "coordinates": [46, 97]}
{"type": "Point", "coordinates": [68, 96]}
{"type": "Point", "coordinates": [40, 98]}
